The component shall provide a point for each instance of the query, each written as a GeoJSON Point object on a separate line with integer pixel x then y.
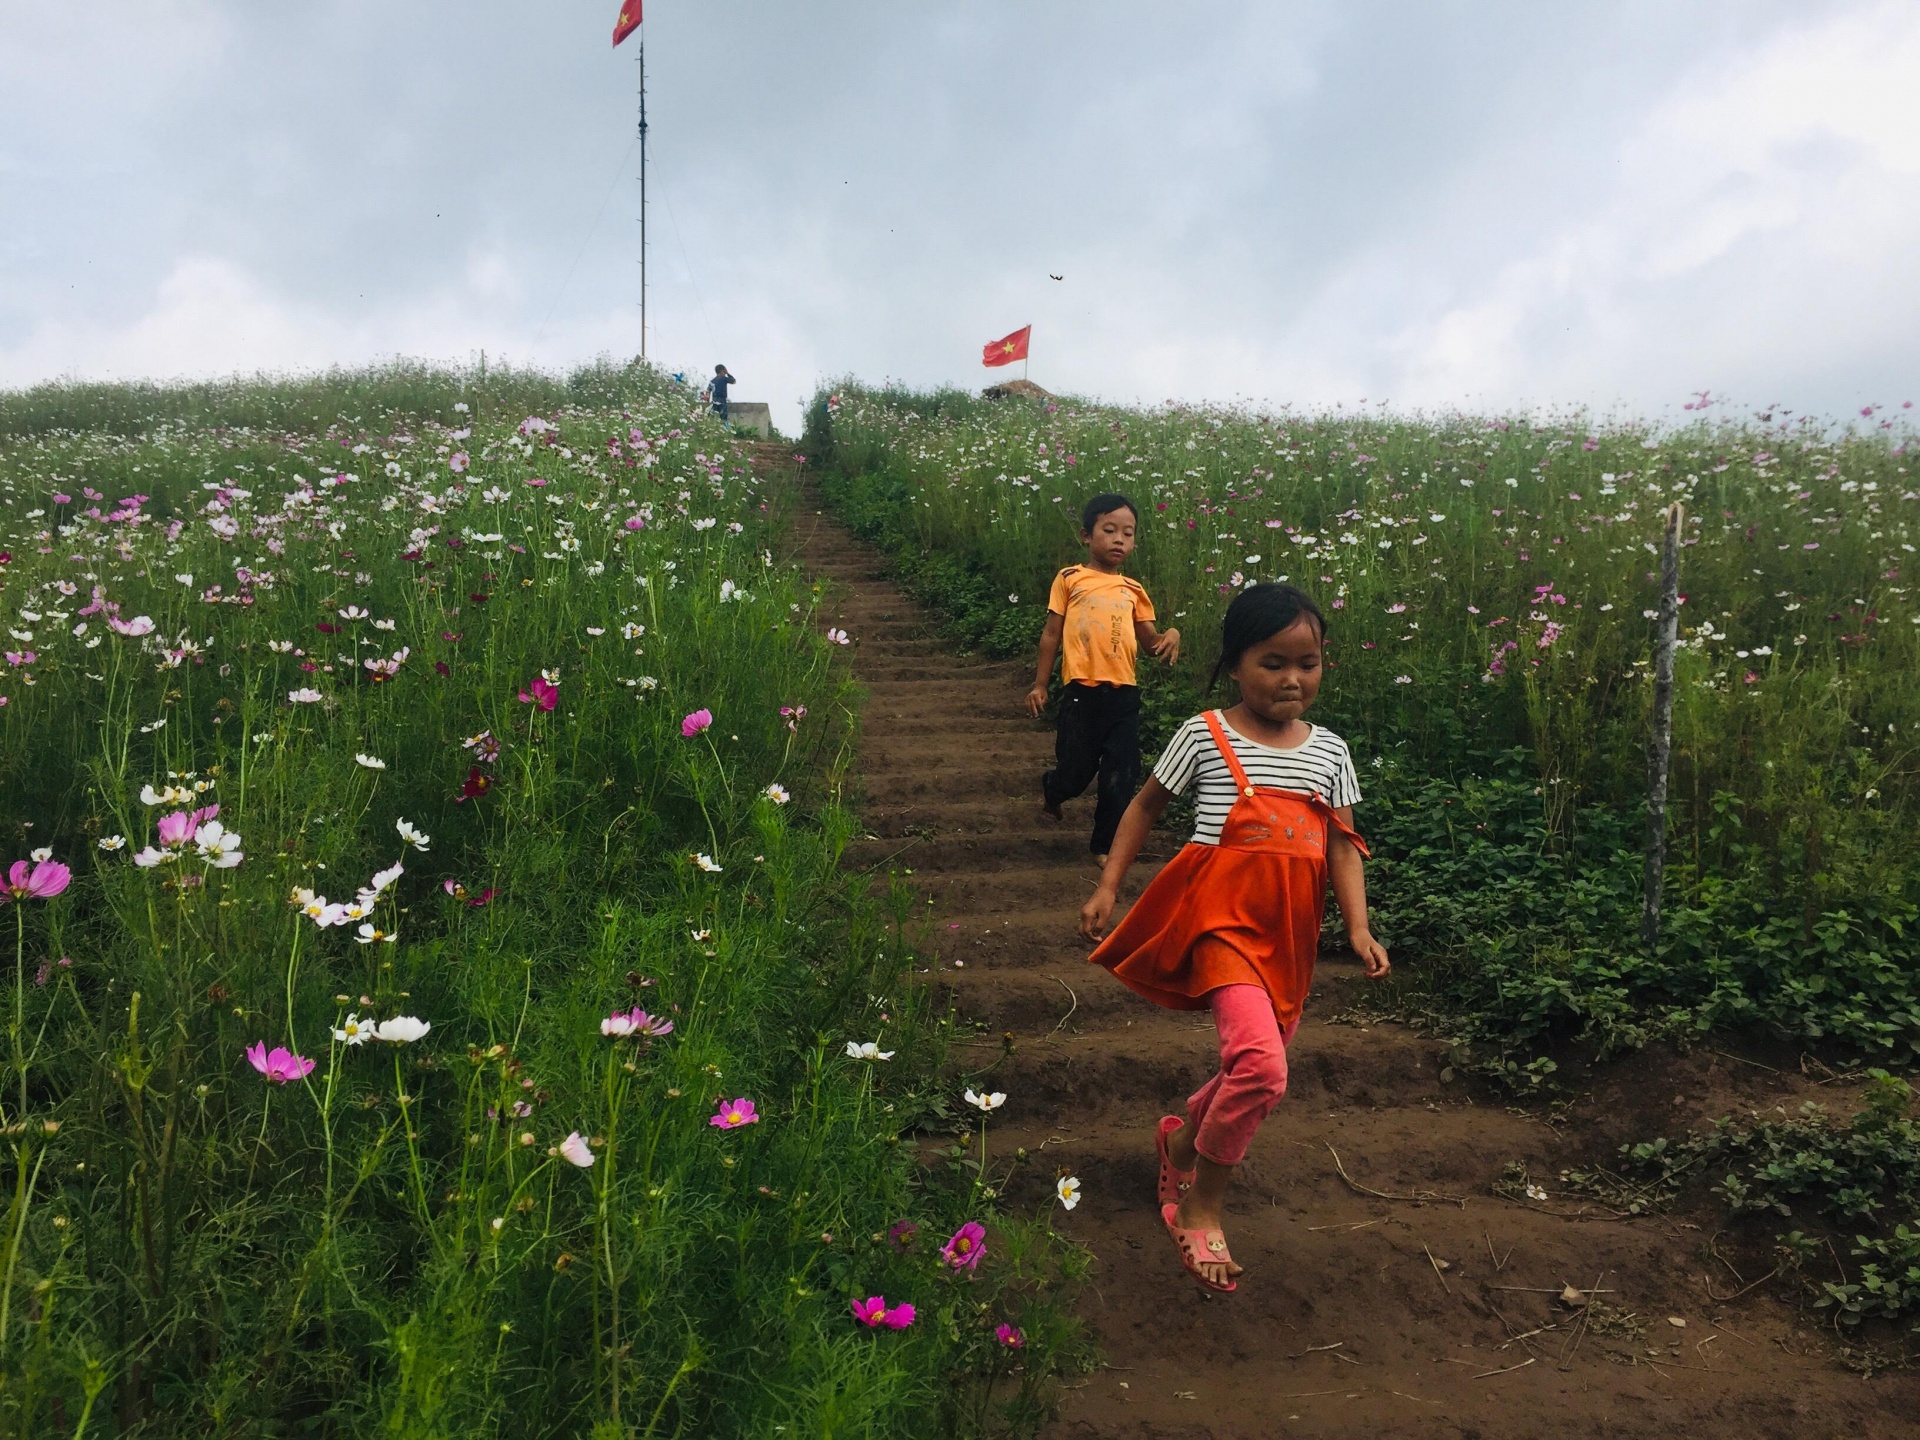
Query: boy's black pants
{"type": "Point", "coordinates": [1099, 734]}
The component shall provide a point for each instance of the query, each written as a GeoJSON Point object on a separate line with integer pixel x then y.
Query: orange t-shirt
{"type": "Point", "coordinates": [1097, 645]}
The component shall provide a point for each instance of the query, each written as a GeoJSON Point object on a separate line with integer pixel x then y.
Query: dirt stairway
{"type": "Point", "coordinates": [1358, 1314]}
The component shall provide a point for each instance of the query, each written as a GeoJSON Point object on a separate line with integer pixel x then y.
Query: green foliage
{"type": "Point", "coordinates": [1809, 1167]}
{"type": "Point", "coordinates": [364, 400]}
{"type": "Point", "coordinates": [331, 631]}
{"type": "Point", "coordinates": [1488, 662]}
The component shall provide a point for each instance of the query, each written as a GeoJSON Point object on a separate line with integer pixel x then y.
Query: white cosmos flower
{"type": "Point", "coordinates": [867, 1050]}
{"type": "Point", "coordinates": [707, 863]}
{"type": "Point", "coordinates": [370, 762]}
{"type": "Point", "coordinates": [402, 1029]}
{"type": "Point", "coordinates": [631, 631]}
{"type": "Point", "coordinates": [383, 878]}
{"type": "Point", "coordinates": [353, 1031]}
{"type": "Point", "coordinates": [40, 853]}
{"type": "Point", "coordinates": [166, 795]}
{"type": "Point", "coordinates": [777, 793]}
{"type": "Point", "coordinates": [985, 1103]}
{"type": "Point", "coordinates": [383, 624]}
{"type": "Point", "coordinates": [412, 836]}
{"type": "Point", "coordinates": [305, 695]}
{"type": "Point", "coordinates": [1068, 1189]}
{"type": "Point", "coordinates": [112, 842]}
{"type": "Point", "coordinates": [218, 846]}
{"type": "Point", "coordinates": [368, 935]}
{"type": "Point", "coordinates": [574, 1149]}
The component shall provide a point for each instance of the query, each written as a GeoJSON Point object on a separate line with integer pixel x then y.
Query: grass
{"type": "Point", "coordinates": [463, 625]}
{"type": "Point", "coordinates": [1489, 582]}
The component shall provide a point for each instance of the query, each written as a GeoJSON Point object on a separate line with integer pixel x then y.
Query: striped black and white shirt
{"type": "Point", "coordinates": [1320, 767]}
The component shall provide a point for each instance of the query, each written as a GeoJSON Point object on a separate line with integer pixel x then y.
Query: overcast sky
{"type": "Point", "coordinates": [1609, 205]}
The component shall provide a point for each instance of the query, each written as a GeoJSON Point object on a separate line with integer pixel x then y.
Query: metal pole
{"type": "Point", "coordinates": [643, 193]}
{"type": "Point", "coordinates": [1660, 747]}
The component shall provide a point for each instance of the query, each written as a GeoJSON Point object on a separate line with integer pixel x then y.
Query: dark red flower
{"type": "Point", "coordinates": [477, 598]}
{"type": "Point", "coordinates": [478, 782]}
{"type": "Point", "coordinates": [443, 668]}
{"type": "Point", "coordinates": [325, 629]}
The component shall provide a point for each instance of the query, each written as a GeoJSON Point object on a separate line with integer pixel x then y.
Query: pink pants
{"type": "Point", "coordinates": [1253, 1074]}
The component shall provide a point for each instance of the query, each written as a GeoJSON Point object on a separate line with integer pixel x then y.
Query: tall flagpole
{"type": "Point", "coordinates": [643, 193]}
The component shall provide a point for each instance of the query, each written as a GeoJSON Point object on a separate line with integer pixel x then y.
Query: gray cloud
{"type": "Point", "coordinates": [1308, 202]}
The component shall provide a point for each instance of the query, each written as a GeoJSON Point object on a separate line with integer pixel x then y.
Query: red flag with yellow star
{"type": "Point", "coordinates": [628, 22]}
{"type": "Point", "coordinates": [1003, 351]}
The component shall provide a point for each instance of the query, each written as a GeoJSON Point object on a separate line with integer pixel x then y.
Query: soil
{"type": "Point", "coordinates": [1357, 1315]}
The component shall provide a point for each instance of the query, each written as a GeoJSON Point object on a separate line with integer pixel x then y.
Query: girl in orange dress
{"type": "Point", "coordinates": [1232, 923]}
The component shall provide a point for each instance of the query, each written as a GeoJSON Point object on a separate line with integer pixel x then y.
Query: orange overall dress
{"type": "Point", "coordinates": [1246, 911]}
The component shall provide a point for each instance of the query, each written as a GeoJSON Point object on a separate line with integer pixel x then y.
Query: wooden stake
{"type": "Point", "coordinates": [1660, 747]}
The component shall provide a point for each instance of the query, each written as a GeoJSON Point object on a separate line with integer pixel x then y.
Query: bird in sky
{"type": "Point", "coordinates": [1052, 276]}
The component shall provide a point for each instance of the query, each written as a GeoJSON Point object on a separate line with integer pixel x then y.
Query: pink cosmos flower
{"type": "Point", "coordinates": [574, 1150]}
{"type": "Point", "coordinates": [280, 1064]}
{"type": "Point", "coordinates": [900, 1235]}
{"type": "Point", "coordinates": [1009, 1336]}
{"type": "Point", "coordinates": [175, 828]}
{"type": "Point", "coordinates": [692, 724]}
{"type": "Point", "coordinates": [139, 625]}
{"type": "Point", "coordinates": [732, 1114]}
{"type": "Point", "coordinates": [968, 1244]}
{"type": "Point", "coordinates": [638, 1022]}
{"type": "Point", "coordinates": [36, 880]}
{"type": "Point", "coordinates": [545, 693]}
{"type": "Point", "coordinates": [457, 462]}
{"type": "Point", "coordinates": [873, 1312]}
{"type": "Point", "coordinates": [635, 522]}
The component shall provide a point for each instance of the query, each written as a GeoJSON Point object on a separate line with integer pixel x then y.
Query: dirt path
{"type": "Point", "coordinates": [1357, 1315]}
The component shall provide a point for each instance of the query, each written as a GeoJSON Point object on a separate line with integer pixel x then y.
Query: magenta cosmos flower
{"type": "Point", "coordinates": [968, 1244]}
{"type": "Point", "coordinates": [544, 693]}
{"type": "Point", "coordinates": [732, 1114]}
{"type": "Point", "coordinates": [1009, 1335]}
{"type": "Point", "coordinates": [873, 1312]}
{"type": "Point", "coordinates": [691, 725]}
{"type": "Point", "coordinates": [38, 879]}
{"type": "Point", "coordinates": [279, 1064]}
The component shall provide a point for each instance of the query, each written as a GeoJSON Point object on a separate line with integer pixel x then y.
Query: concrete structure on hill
{"type": "Point", "coordinates": [751, 415]}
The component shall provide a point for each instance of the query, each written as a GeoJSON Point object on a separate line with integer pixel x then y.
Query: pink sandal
{"type": "Point", "coordinates": [1197, 1247]}
{"type": "Point", "coordinates": [1173, 1184]}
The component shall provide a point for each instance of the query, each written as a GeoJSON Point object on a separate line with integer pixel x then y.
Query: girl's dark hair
{"type": "Point", "coordinates": [1105, 505]}
{"type": "Point", "coordinates": [1260, 611]}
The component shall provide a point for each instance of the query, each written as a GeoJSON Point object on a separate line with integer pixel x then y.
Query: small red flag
{"type": "Point", "coordinates": [1008, 350]}
{"type": "Point", "coordinates": [628, 22]}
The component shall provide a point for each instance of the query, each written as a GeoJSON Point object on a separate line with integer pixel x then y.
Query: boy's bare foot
{"type": "Point", "coordinates": [1099, 861]}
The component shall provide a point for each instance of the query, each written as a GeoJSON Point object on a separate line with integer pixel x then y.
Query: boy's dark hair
{"type": "Point", "coordinates": [1105, 505]}
{"type": "Point", "coordinates": [1260, 611]}
{"type": "Point", "coordinates": [719, 369]}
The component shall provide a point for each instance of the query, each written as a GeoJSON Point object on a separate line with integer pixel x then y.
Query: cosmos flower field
{"type": "Point", "coordinates": [1490, 583]}
{"type": "Point", "coordinates": [436, 1007]}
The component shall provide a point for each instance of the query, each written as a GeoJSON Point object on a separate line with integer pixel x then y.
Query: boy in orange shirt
{"type": "Point", "coordinates": [1101, 618]}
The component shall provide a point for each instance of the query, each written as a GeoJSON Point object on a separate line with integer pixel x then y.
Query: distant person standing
{"type": "Point", "coordinates": [717, 390]}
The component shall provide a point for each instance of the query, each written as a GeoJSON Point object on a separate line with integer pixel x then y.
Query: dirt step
{"type": "Point", "coordinates": [980, 854]}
